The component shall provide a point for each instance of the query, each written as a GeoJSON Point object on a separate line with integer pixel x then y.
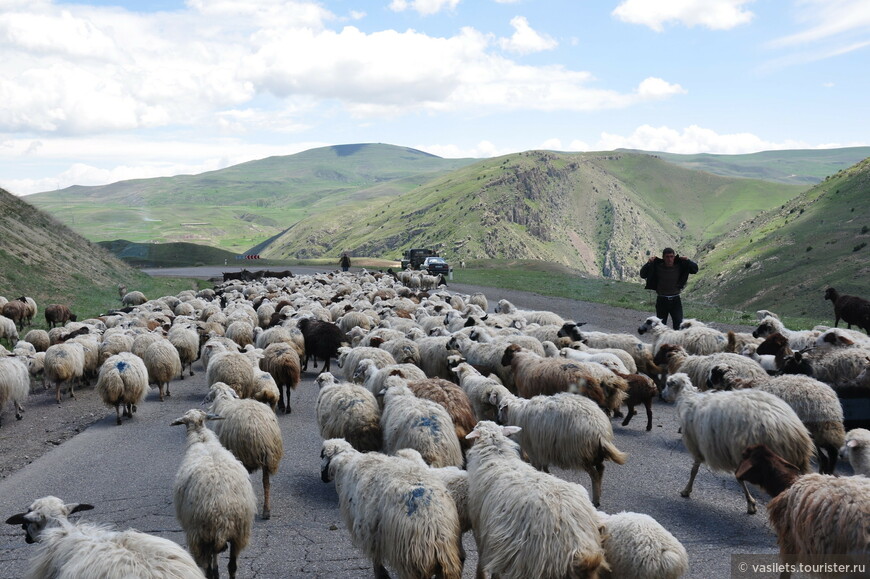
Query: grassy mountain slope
{"type": "Point", "coordinates": [802, 166]}
{"type": "Point", "coordinates": [786, 257]}
{"type": "Point", "coordinates": [168, 254]}
{"type": "Point", "coordinates": [595, 212]}
{"type": "Point", "coordinates": [43, 259]}
{"type": "Point", "coordinates": [240, 206]}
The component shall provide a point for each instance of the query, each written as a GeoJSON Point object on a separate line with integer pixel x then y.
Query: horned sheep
{"type": "Point", "coordinates": [561, 539]}
{"type": "Point", "coordinates": [405, 500]}
{"type": "Point", "coordinates": [90, 550]}
{"type": "Point", "coordinates": [123, 383]}
{"type": "Point", "coordinates": [251, 432]}
{"type": "Point", "coordinates": [214, 500]}
{"type": "Point", "coordinates": [718, 426]}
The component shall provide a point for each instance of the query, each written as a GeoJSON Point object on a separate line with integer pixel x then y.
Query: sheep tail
{"type": "Point", "coordinates": [732, 342]}
{"type": "Point", "coordinates": [586, 564]}
{"type": "Point", "coordinates": [608, 451]}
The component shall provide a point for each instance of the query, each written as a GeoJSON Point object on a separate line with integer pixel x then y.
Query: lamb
{"type": "Point", "coordinates": [565, 430]}
{"type": "Point", "coordinates": [856, 449]}
{"type": "Point", "coordinates": [89, 550]}
{"type": "Point", "coordinates": [163, 364]}
{"type": "Point", "coordinates": [123, 382]}
{"type": "Point", "coordinates": [251, 432]}
{"type": "Point", "coordinates": [815, 403]}
{"type": "Point", "coordinates": [534, 375]}
{"type": "Point", "coordinates": [852, 309]}
{"type": "Point", "coordinates": [397, 512]}
{"type": "Point", "coordinates": [14, 383]}
{"type": "Point", "coordinates": [282, 361]}
{"type": "Point", "coordinates": [814, 514]}
{"type": "Point", "coordinates": [322, 340]}
{"type": "Point", "coordinates": [64, 364]}
{"type": "Point", "coordinates": [641, 390]}
{"type": "Point", "coordinates": [527, 523]}
{"type": "Point", "coordinates": [717, 426]}
{"type": "Point", "coordinates": [411, 422]}
{"type": "Point", "coordinates": [134, 298]}
{"type": "Point", "coordinates": [636, 545]}
{"type": "Point", "coordinates": [214, 499]}
{"type": "Point", "coordinates": [58, 314]}
{"type": "Point", "coordinates": [349, 411]}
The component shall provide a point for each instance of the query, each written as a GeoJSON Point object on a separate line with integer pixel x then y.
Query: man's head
{"type": "Point", "coordinates": [669, 255]}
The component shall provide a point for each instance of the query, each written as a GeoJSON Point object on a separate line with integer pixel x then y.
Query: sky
{"type": "Point", "coordinates": [99, 92]}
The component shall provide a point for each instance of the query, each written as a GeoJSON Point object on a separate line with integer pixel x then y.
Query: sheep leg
{"type": "Point", "coordinates": [18, 410]}
{"type": "Point", "coordinates": [233, 565]}
{"type": "Point", "coordinates": [160, 391]}
{"type": "Point", "coordinates": [267, 488]}
{"type": "Point", "coordinates": [631, 412]}
{"type": "Point", "coordinates": [750, 501]}
{"type": "Point", "coordinates": [118, 414]}
{"type": "Point", "coordinates": [381, 571]}
{"type": "Point", "coordinates": [688, 490]}
{"type": "Point", "coordinates": [648, 404]}
{"type": "Point", "coordinates": [596, 473]}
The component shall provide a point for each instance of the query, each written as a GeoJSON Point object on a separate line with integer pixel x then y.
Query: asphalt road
{"type": "Point", "coordinates": [127, 472]}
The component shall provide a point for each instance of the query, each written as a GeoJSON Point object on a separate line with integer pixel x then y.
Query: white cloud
{"type": "Point", "coordinates": [526, 40]}
{"type": "Point", "coordinates": [483, 150]}
{"type": "Point", "coordinates": [691, 140]}
{"type": "Point", "coordinates": [829, 20]}
{"type": "Point", "coordinates": [713, 14]}
{"type": "Point", "coordinates": [424, 7]}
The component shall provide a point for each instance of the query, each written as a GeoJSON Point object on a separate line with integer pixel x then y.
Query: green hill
{"type": "Point", "coordinates": [168, 254]}
{"type": "Point", "coordinates": [240, 206]}
{"type": "Point", "coordinates": [786, 257]}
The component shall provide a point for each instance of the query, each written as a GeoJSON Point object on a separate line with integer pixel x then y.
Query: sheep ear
{"type": "Point", "coordinates": [508, 430]}
{"type": "Point", "coordinates": [76, 507]}
{"type": "Point", "coordinates": [471, 435]}
{"type": "Point", "coordinates": [19, 519]}
{"type": "Point", "coordinates": [852, 443]}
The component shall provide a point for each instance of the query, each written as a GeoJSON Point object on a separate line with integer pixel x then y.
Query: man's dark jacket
{"type": "Point", "coordinates": [649, 271]}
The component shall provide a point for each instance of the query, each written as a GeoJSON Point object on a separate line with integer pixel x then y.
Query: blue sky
{"type": "Point", "coordinates": [103, 91]}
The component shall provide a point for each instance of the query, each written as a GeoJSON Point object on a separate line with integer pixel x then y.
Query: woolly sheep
{"type": "Point", "coordinates": [123, 382]}
{"type": "Point", "coordinates": [163, 364]}
{"type": "Point", "coordinates": [856, 449]}
{"type": "Point", "coordinates": [373, 377]}
{"type": "Point", "coordinates": [142, 341]}
{"type": "Point", "coordinates": [251, 432]}
{"type": "Point", "coordinates": [484, 356]}
{"type": "Point", "coordinates": [241, 332]}
{"type": "Point", "coordinates": [641, 390]}
{"type": "Point", "coordinates": [425, 426]}
{"type": "Point", "coordinates": [349, 359]}
{"type": "Point", "coordinates": [815, 403]}
{"type": "Point", "coordinates": [349, 411]}
{"type": "Point", "coordinates": [479, 389]}
{"type": "Point", "coordinates": [64, 364]}
{"type": "Point", "coordinates": [322, 340]}
{"type": "Point", "coordinates": [838, 366]}
{"type": "Point", "coordinates": [213, 497]}
{"type": "Point", "coordinates": [68, 550]}
{"type": "Point", "coordinates": [527, 523]}
{"type": "Point", "coordinates": [30, 309]}
{"type": "Point", "coordinates": [58, 314]}
{"type": "Point", "coordinates": [8, 330]}
{"type": "Point", "coordinates": [852, 309]}
{"type": "Point", "coordinates": [696, 339]}
{"type": "Point", "coordinates": [636, 545]}
{"type": "Point", "coordinates": [534, 375]}
{"type": "Point", "coordinates": [265, 389]}
{"type": "Point", "coordinates": [384, 498]}
{"type": "Point", "coordinates": [674, 358]}
{"type": "Point", "coordinates": [39, 339]}
{"type": "Point", "coordinates": [433, 356]}
{"type": "Point", "coordinates": [639, 351]}
{"type": "Point", "coordinates": [718, 426]}
{"type": "Point", "coordinates": [14, 384]}
{"type": "Point", "coordinates": [281, 361]}
{"type": "Point", "coordinates": [453, 399]}
{"type": "Point", "coordinates": [565, 430]}
{"type": "Point", "coordinates": [114, 343]}
{"type": "Point", "coordinates": [134, 298]}
{"type": "Point", "coordinates": [186, 341]}
{"type": "Point", "coordinates": [814, 514]}
{"type": "Point", "coordinates": [797, 340]}
{"type": "Point", "coordinates": [16, 311]}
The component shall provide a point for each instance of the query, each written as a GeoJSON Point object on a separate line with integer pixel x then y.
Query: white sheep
{"type": "Point", "coordinates": [527, 523]}
{"type": "Point", "coordinates": [64, 364]}
{"type": "Point", "coordinates": [349, 358]}
{"type": "Point", "coordinates": [565, 430]}
{"type": "Point", "coordinates": [674, 358]}
{"type": "Point", "coordinates": [134, 298]}
{"type": "Point", "coordinates": [39, 339]}
{"type": "Point", "coordinates": [718, 426]}
{"type": "Point", "coordinates": [797, 339]}
{"type": "Point", "coordinates": [8, 330]}
{"type": "Point", "coordinates": [479, 389]}
{"type": "Point", "coordinates": [114, 343]}
{"type": "Point", "coordinates": [696, 339]}
{"type": "Point", "coordinates": [14, 384]}
{"type": "Point", "coordinates": [281, 361]}
{"type": "Point", "coordinates": [856, 449]}
{"type": "Point", "coordinates": [251, 432]}
{"type": "Point", "coordinates": [78, 550]}
{"type": "Point", "coordinates": [241, 332]}
{"type": "Point", "coordinates": [214, 500]}
{"type": "Point", "coordinates": [411, 422]}
{"type": "Point", "coordinates": [373, 378]}
{"type": "Point", "coordinates": [186, 340]}
{"type": "Point", "coordinates": [636, 545]}
{"type": "Point", "coordinates": [813, 515]}
{"type": "Point", "coordinates": [349, 411]}
{"type": "Point", "coordinates": [397, 512]}
{"type": "Point", "coordinates": [123, 383]}
{"type": "Point", "coordinates": [163, 364]}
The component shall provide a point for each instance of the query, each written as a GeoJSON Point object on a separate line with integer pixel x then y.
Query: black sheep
{"type": "Point", "coordinates": [852, 309]}
{"type": "Point", "coordinates": [322, 340]}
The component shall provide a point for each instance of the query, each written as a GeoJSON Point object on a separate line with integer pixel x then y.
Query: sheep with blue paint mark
{"type": "Point", "coordinates": [425, 426]}
{"type": "Point", "coordinates": [397, 512]}
{"type": "Point", "coordinates": [123, 382]}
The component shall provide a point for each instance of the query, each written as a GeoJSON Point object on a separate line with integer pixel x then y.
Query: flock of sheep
{"type": "Point", "coordinates": [444, 419]}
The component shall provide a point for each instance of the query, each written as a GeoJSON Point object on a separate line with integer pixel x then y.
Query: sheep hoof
{"type": "Point", "coordinates": [118, 421]}
{"type": "Point", "coordinates": [18, 417]}
{"type": "Point", "coordinates": [750, 510]}
{"type": "Point", "coordinates": [685, 494]}
{"type": "Point", "coordinates": [267, 515]}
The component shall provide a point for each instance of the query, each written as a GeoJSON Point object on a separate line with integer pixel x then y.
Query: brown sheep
{"type": "Point", "coordinates": [851, 309]}
{"type": "Point", "coordinates": [57, 314]}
